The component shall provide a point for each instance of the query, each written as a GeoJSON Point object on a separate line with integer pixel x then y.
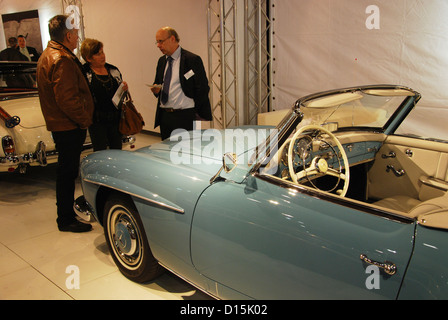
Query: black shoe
{"type": "Point", "coordinates": [76, 227]}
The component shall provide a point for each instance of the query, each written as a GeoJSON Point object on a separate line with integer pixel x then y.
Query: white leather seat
{"type": "Point", "coordinates": [399, 203]}
{"type": "Point", "coordinates": [430, 206]}
{"type": "Point", "coordinates": [413, 207]}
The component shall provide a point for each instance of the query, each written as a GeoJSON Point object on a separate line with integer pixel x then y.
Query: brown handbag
{"type": "Point", "coordinates": [131, 121]}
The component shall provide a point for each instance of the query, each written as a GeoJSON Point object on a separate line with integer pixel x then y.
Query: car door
{"type": "Point", "coordinates": [411, 167]}
{"type": "Point", "coordinates": [268, 239]}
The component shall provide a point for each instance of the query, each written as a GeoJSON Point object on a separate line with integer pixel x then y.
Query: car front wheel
{"type": "Point", "coordinates": [127, 240]}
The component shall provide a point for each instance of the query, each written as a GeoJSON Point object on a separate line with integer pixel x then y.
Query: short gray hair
{"type": "Point", "coordinates": [172, 32]}
{"type": "Point", "coordinates": [58, 28]}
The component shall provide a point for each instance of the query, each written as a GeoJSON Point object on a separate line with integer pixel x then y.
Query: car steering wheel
{"type": "Point", "coordinates": [318, 166]}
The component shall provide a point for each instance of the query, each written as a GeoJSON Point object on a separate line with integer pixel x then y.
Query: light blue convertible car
{"type": "Point", "coordinates": [334, 203]}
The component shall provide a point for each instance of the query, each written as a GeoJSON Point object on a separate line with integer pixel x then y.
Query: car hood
{"type": "Point", "coordinates": [204, 149]}
{"type": "Point", "coordinates": [27, 109]}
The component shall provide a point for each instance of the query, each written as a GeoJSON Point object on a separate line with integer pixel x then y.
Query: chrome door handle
{"type": "Point", "coordinates": [390, 155]}
{"type": "Point", "coordinates": [388, 267]}
{"type": "Point", "coordinates": [398, 173]}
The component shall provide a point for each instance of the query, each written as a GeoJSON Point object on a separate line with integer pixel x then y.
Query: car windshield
{"type": "Point", "coordinates": [371, 108]}
{"type": "Point", "coordinates": [366, 108]}
{"type": "Point", "coordinates": [17, 76]}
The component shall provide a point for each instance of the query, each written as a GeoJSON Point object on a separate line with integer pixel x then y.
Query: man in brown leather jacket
{"type": "Point", "coordinates": [67, 106]}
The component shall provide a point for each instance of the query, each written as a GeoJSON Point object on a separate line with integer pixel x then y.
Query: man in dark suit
{"type": "Point", "coordinates": [181, 86]}
{"type": "Point", "coordinates": [11, 53]}
{"type": "Point", "coordinates": [29, 52]}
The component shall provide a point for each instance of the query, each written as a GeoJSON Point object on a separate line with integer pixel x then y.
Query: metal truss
{"type": "Point", "coordinates": [73, 8]}
{"type": "Point", "coordinates": [223, 72]}
{"type": "Point", "coordinates": [258, 55]}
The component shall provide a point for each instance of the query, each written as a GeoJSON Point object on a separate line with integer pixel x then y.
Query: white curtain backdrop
{"type": "Point", "coordinates": [328, 44]}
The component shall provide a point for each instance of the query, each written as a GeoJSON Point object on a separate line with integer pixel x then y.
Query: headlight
{"type": "Point", "coordinates": [8, 146]}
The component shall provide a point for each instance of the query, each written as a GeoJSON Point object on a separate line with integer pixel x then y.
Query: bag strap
{"type": "Point", "coordinates": [127, 97]}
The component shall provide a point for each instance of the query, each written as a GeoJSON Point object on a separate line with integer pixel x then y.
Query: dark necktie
{"type": "Point", "coordinates": [167, 81]}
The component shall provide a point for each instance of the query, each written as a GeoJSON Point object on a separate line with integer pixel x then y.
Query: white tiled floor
{"type": "Point", "coordinates": [35, 258]}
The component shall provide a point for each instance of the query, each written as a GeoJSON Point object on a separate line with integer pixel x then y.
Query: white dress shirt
{"type": "Point", "coordinates": [25, 52]}
{"type": "Point", "coordinates": [176, 97]}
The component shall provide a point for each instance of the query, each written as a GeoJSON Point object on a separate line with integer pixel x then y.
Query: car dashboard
{"type": "Point", "coordinates": [360, 148]}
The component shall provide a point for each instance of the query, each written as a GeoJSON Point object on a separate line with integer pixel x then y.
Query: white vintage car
{"type": "Point", "coordinates": [24, 137]}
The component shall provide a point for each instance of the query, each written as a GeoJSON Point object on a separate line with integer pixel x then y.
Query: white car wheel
{"type": "Point", "coordinates": [127, 241]}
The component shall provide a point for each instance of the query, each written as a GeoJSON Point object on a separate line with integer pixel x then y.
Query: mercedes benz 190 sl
{"type": "Point", "coordinates": [333, 203]}
{"type": "Point", "coordinates": [24, 137]}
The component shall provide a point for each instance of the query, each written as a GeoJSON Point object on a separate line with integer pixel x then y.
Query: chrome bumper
{"type": "Point", "coordinates": [83, 209]}
{"type": "Point", "coordinates": [40, 156]}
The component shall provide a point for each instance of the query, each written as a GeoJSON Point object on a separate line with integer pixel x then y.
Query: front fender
{"type": "Point", "coordinates": [164, 193]}
{"type": "Point", "coordinates": [142, 176]}
{"type": "Point", "coordinates": [100, 180]}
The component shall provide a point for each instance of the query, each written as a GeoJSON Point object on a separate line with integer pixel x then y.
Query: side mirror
{"type": "Point", "coordinates": [229, 162]}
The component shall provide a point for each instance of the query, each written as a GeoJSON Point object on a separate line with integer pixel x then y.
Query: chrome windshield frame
{"type": "Point", "coordinates": [283, 130]}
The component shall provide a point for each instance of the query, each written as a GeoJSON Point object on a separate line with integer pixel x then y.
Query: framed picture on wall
{"type": "Point", "coordinates": [24, 23]}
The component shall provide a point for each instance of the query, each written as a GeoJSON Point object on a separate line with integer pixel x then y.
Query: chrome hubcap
{"type": "Point", "coordinates": [125, 237]}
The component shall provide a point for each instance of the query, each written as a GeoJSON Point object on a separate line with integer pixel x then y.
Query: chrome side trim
{"type": "Point", "coordinates": [159, 203]}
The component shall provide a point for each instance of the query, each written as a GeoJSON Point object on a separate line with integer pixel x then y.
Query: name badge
{"type": "Point", "coordinates": [189, 74]}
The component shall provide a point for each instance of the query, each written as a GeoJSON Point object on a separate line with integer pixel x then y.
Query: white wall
{"type": "Point", "coordinates": [328, 44]}
{"type": "Point", "coordinates": [127, 29]}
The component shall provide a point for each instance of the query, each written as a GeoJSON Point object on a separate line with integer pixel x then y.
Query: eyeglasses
{"type": "Point", "coordinates": [161, 41]}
